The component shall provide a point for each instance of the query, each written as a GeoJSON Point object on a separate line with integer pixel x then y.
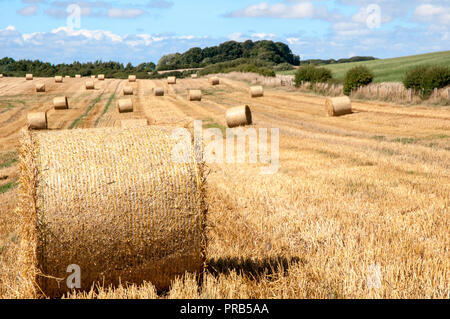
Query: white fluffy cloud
{"type": "Point", "coordinates": [433, 13]}
{"type": "Point", "coordinates": [28, 10]}
{"type": "Point", "coordinates": [285, 10]}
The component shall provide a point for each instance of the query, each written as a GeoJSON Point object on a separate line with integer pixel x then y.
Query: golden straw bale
{"type": "Point", "coordinates": [125, 105]}
{"type": "Point", "coordinates": [134, 123]}
{"type": "Point", "coordinates": [78, 76]}
{"type": "Point", "coordinates": [101, 77]}
{"type": "Point", "coordinates": [90, 85]}
{"type": "Point", "coordinates": [67, 76]}
{"type": "Point", "coordinates": [37, 121]}
{"type": "Point", "coordinates": [214, 81]}
{"type": "Point", "coordinates": [194, 95]}
{"type": "Point", "coordinates": [29, 77]}
{"type": "Point", "coordinates": [239, 116]}
{"type": "Point", "coordinates": [158, 91]}
{"type": "Point", "coordinates": [61, 103]}
{"type": "Point", "coordinates": [112, 201]}
{"type": "Point", "coordinates": [256, 91]}
{"type": "Point", "coordinates": [92, 76]}
{"type": "Point", "coordinates": [338, 106]}
{"type": "Point", "coordinates": [58, 79]}
{"type": "Point", "coordinates": [1, 76]}
{"type": "Point", "coordinates": [194, 76]}
{"type": "Point", "coordinates": [171, 80]}
{"type": "Point", "coordinates": [127, 90]}
{"type": "Point", "coordinates": [132, 78]}
{"type": "Point", "coordinates": [40, 87]}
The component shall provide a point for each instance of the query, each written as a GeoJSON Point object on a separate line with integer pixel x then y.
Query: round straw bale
{"type": "Point", "coordinates": [29, 77]}
{"type": "Point", "coordinates": [40, 87]}
{"type": "Point", "coordinates": [214, 81]}
{"type": "Point", "coordinates": [78, 76]}
{"type": "Point", "coordinates": [256, 91]}
{"type": "Point", "coordinates": [125, 105]}
{"type": "Point", "coordinates": [194, 76]}
{"type": "Point", "coordinates": [61, 103]}
{"type": "Point", "coordinates": [194, 95]}
{"type": "Point", "coordinates": [111, 201]}
{"type": "Point", "coordinates": [239, 116]}
{"type": "Point", "coordinates": [171, 80]}
{"type": "Point", "coordinates": [90, 85]}
{"type": "Point", "coordinates": [92, 76]}
{"type": "Point", "coordinates": [338, 106]}
{"type": "Point", "coordinates": [58, 79]}
{"type": "Point", "coordinates": [37, 121]}
{"type": "Point", "coordinates": [158, 91]}
{"type": "Point", "coordinates": [101, 77]}
{"type": "Point", "coordinates": [1, 76]}
{"type": "Point", "coordinates": [67, 76]}
{"type": "Point", "coordinates": [132, 78]}
{"type": "Point", "coordinates": [127, 90]}
{"type": "Point", "coordinates": [134, 123]}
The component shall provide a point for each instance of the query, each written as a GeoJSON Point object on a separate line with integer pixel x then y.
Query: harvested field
{"type": "Point", "coordinates": [363, 191]}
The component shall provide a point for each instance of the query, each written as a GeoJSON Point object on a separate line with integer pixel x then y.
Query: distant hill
{"type": "Point", "coordinates": [390, 70]}
{"type": "Point", "coordinates": [333, 61]}
{"type": "Point", "coordinates": [266, 51]}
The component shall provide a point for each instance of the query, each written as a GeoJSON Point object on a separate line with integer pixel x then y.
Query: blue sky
{"type": "Point", "coordinates": [142, 31]}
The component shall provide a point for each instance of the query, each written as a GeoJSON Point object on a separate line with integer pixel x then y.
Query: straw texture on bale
{"type": "Point", "coordinates": [171, 80]}
{"type": "Point", "coordinates": [29, 77]}
{"type": "Point", "coordinates": [134, 123]}
{"type": "Point", "coordinates": [40, 87]}
{"type": "Point", "coordinates": [338, 106]}
{"type": "Point", "coordinates": [58, 79]}
{"type": "Point", "coordinates": [214, 81]}
{"type": "Point", "coordinates": [194, 95]}
{"type": "Point", "coordinates": [111, 201]}
{"type": "Point", "coordinates": [61, 103]}
{"type": "Point", "coordinates": [37, 121]}
{"type": "Point", "coordinates": [101, 77]}
{"type": "Point", "coordinates": [158, 91]}
{"type": "Point", "coordinates": [132, 78]}
{"type": "Point", "coordinates": [127, 90]}
{"type": "Point", "coordinates": [78, 76]}
{"type": "Point", "coordinates": [239, 116]}
{"type": "Point", "coordinates": [125, 105]}
{"type": "Point", "coordinates": [90, 85]}
{"type": "Point", "coordinates": [256, 91]}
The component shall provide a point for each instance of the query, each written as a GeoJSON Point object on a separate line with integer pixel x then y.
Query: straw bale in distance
{"type": "Point", "coordinates": [61, 103]}
{"type": "Point", "coordinates": [127, 90]}
{"type": "Point", "coordinates": [37, 120]}
{"type": "Point", "coordinates": [58, 79]}
{"type": "Point", "coordinates": [67, 76]}
{"type": "Point", "coordinates": [101, 77]}
{"type": "Point", "coordinates": [194, 76]}
{"type": "Point", "coordinates": [40, 87]}
{"type": "Point", "coordinates": [90, 85]}
{"type": "Point", "coordinates": [125, 105]}
{"type": "Point", "coordinates": [171, 80]}
{"type": "Point", "coordinates": [1, 76]}
{"type": "Point", "coordinates": [134, 123]}
{"type": "Point", "coordinates": [239, 116]}
{"type": "Point", "coordinates": [132, 78]}
{"type": "Point", "coordinates": [111, 201]}
{"type": "Point", "coordinates": [78, 76]}
{"type": "Point", "coordinates": [29, 77]}
{"type": "Point", "coordinates": [256, 91]}
{"type": "Point", "coordinates": [338, 106]}
{"type": "Point", "coordinates": [158, 91]}
{"type": "Point", "coordinates": [92, 76]}
{"type": "Point", "coordinates": [194, 95]}
{"type": "Point", "coordinates": [214, 81]}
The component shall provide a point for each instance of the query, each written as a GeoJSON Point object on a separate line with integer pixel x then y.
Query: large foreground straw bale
{"type": "Point", "coordinates": [239, 116]}
{"type": "Point", "coordinates": [61, 103]}
{"type": "Point", "coordinates": [125, 105]}
{"type": "Point", "coordinates": [338, 106]}
{"type": "Point", "coordinates": [256, 91]}
{"type": "Point", "coordinates": [194, 95]}
{"type": "Point", "coordinates": [111, 201]}
{"type": "Point", "coordinates": [40, 87]}
{"type": "Point", "coordinates": [158, 91]}
{"type": "Point", "coordinates": [90, 85]}
{"type": "Point", "coordinates": [172, 80]}
{"type": "Point", "coordinates": [58, 79]}
{"type": "Point", "coordinates": [29, 77]}
{"type": "Point", "coordinates": [101, 77]}
{"type": "Point", "coordinates": [37, 121]}
{"type": "Point", "coordinates": [132, 78]}
{"type": "Point", "coordinates": [127, 90]}
{"type": "Point", "coordinates": [134, 123]}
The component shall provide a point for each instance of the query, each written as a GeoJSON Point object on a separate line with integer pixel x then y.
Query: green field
{"type": "Point", "coordinates": [389, 70]}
